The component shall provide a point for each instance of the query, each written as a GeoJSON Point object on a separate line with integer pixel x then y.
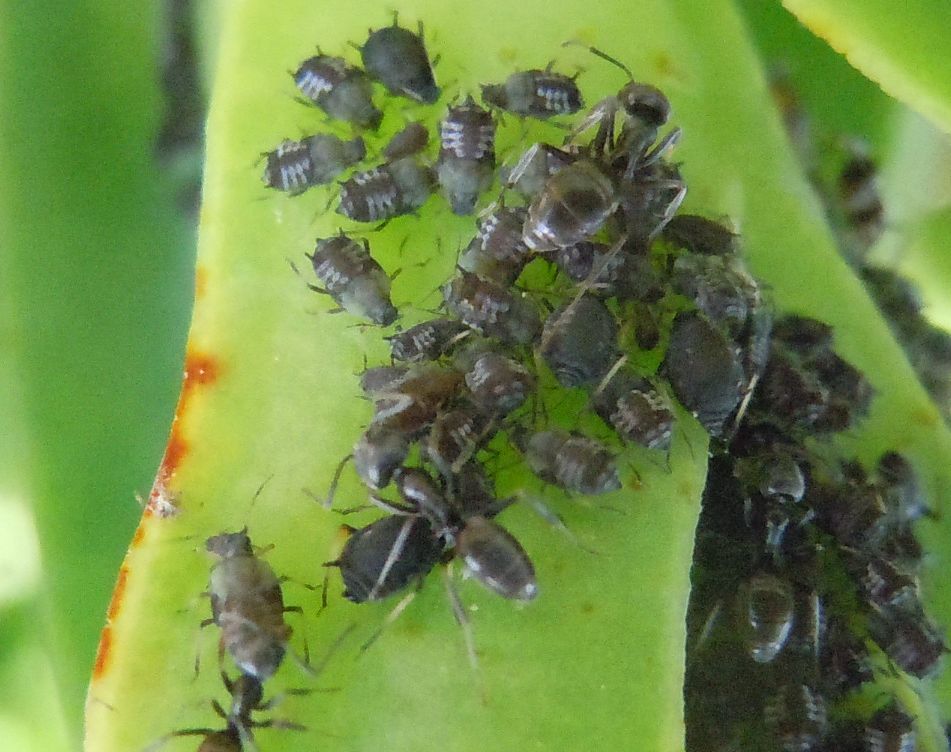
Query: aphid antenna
{"type": "Point", "coordinates": [327, 503]}
{"type": "Point", "coordinates": [318, 669]}
{"type": "Point", "coordinates": [601, 54]}
{"type": "Point", "coordinates": [554, 520]}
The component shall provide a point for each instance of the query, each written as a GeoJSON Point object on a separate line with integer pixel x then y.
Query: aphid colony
{"type": "Point", "coordinates": [641, 306]}
{"type": "Point", "coordinates": [802, 562]}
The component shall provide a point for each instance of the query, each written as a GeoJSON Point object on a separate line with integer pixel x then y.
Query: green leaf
{"type": "Point", "coordinates": [271, 395]}
{"type": "Point", "coordinates": [900, 47]}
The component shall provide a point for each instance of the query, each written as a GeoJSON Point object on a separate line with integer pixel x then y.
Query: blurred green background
{"type": "Point", "coordinates": [99, 160]}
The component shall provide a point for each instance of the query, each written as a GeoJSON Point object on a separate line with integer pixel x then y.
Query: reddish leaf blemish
{"type": "Point", "coordinates": [201, 370]}
{"type": "Point", "coordinates": [117, 593]}
{"type": "Point", "coordinates": [201, 282]}
{"type": "Point", "coordinates": [102, 653]}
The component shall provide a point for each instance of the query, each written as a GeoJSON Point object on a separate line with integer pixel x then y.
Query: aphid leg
{"type": "Point", "coordinates": [465, 624]}
{"type": "Point", "coordinates": [667, 143]}
{"type": "Point", "coordinates": [392, 616]}
{"type": "Point", "coordinates": [554, 520]}
{"type": "Point", "coordinates": [329, 501]}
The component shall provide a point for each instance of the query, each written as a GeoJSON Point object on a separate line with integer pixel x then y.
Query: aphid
{"type": "Point", "coordinates": [498, 384]}
{"type": "Point", "coordinates": [409, 141]}
{"type": "Point", "coordinates": [397, 58]}
{"type": "Point", "coordinates": [427, 341]}
{"type": "Point", "coordinates": [719, 286]}
{"type": "Point", "coordinates": [247, 696]}
{"type": "Point", "coordinates": [351, 276]}
{"type": "Point", "coordinates": [649, 198]}
{"type": "Point", "coordinates": [247, 605]}
{"type": "Point", "coordinates": [295, 166]}
{"type": "Point", "coordinates": [637, 412]}
{"type": "Point", "coordinates": [456, 435]}
{"type": "Point", "coordinates": [491, 309]}
{"type": "Point", "coordinates": [904, 497]}
{"type": "Point", "coordinates": [885, 584]}
{"type": "Point", "coordinates": [768, 615]}
{"type": "Point", "coordinates": [535, 93]}
{"type": "Point", "coordinates": [380, 378]}
{"type": "Point", "coordinates": [377, 455]}
{"type": "Point", "coordinates": [704, 371]}
{"type": "Point", "coordinates": [572, 206]}
{"type": "Point", "coordinates": [573, 463]}
{"type": "Point", "coordinates": [909, 638]}
{"type": "Point", "coordinates": [579, 342]}
{"type": "Point", "coordinates": [496, 559]}
{"type": "Point", "coordinates": [700, 235]}
{"type": "Point", "coordinates": [497, 251]}
{"type": "Point", "coordinates": [405, 547]}
{"type": "Point", "coordinates": [466, 156]}
{"type": "Point", "coordinates": [845, 661]}
{"type": "Point", "coordinates": [407, 406]}
{"type": "Point", "coordinates": [890, 730]}
{"type": "Point", "coordinates": [796, 714]}
{"type": "Point", "coordinates": [861, 202]}
{"type": "Point", "coordinates": [387, 191]}
{"type": "Point", "coordinates": [791, 395]}
{"type": "Point", "coordinates": [339, 89]}
{"type": "Point", "coordinates": [536, 165]}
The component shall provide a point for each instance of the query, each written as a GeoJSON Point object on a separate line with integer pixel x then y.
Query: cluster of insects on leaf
{"type": "Point", "coordinates": [643, 307]}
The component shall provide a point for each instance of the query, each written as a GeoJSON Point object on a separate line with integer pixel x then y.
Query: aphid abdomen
{"type": "Point", "coordinates": [796, 714]}
{"type": "Point", "coordinates": [353, 278]}
{"type": "Point", "coordinates": [496, 559]}
{"type": "Point", "coordinates": [455, 437]}
{"type": "Point", "coordinates": [426, 341]}
{"type": "Point", "coordinates": [339, 89]}
{"type": "Point", "coordinates": [369, 196]}
{"type": "Point", "coordinates": [414, 183]}
{"type": "Point", "coordinates": [498, 384]}
{"type": "Point", "coordinates": [535, 93]}
{"type": "Point", "coordinates": [645, 418]}
{"type": "Point", "coordinates": [398, 59]}
{"type": "Point", "coordinates": [289, 168]}
{"type": "Point", "coordinates": [700, 235]}
{"type": "Point", "coordinates": [579, 342]}
{"type": "Point", "coordinates": [574, 463]}
{"type": "Point", "coordinates": [769, 616]}
{"type": "Point", "coordinates": [572, 206]}
{"type": "Point", "coordinates": [330, 156]}
{"type": "Point", "coordinates": [409, 141]}
{"type": "Point", "coordinates": [368, 549]}
{"type": "Point", "coordinates": [556, 94]}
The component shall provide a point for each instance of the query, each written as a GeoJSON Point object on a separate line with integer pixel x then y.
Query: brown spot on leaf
{"type": "Point", "coordinates": [116, 602]}
{"type": "Point", "coordinates": [102, 653]}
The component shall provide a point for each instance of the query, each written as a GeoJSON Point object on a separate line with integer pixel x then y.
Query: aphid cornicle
{"type": "Point", "coordinates": [352, 277]}
{"type": "Point", "coordinates": [397, 58]}
{"type": "Point", "coordinates": [247, 605]}
{"type": "Point", "coordinates": [295, 166]}
{"type": "Point", "coordinates": [580, 341]}
{"type": "Point", "coordinates": [491, 309]}
{"type": "Point", "coordinates": [573, 463]}
{"type": "Point", "coordinates": [387, 191]}
{"type": "Point", "coordinates": [466, 155]}
{"type": "Point", "coordinates": [427, 341]}
{"type": "Point", "coordinates": [341, 90]}
{"type": "Point", "coordinates": [572, 206]}
{"type": "Point", "coordinates": [535, 93]}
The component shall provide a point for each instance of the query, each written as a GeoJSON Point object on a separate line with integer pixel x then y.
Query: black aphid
{"type": "Point", "coordinates": [397, 58]}
{"type": "Point", "coordinates": [353, 278]}
{"type": "Point", "coordinates": [247, 605]}
{"type": "Point", "coordinates": [377, 455]}
{"type": "Point", "coordinates": [247, 697]}
{"type": "Point", "coordinates": [704, 371]}
{"type": "Point", "coordinates": [862, 205]}
{"type": "Point", "coordinates": [535, 93]}
{"type": "Point", "coordinates": [700, 235]}
{"type": "Point", "coordinates": [407, 142]}
{"type": "Point", "coordinates": [405, 547]}
{"type": "Point", "coordinates": [387, 191]}
{"type": "Point", "coordinates": [796, 715]}
{"type": "Point", "coordinates": [768, 615]}
{"type": "Point", "coordinates": [497, 252]}
{"type": "Point", "coordinates": [494, 557]}
{"type": "Point", "coordinates": [573, 463]}
{"type": "Point", "coordinates": [498, 384]}
{"type": "Point", "coordinates": [535, 166]}
{"type": "Point", "coordinates": [341, 90]}
{"type": "Point", "coordinates": [455, 436]}
{"type": "Point", "coordinates": [890, 730]}
{"type": "Point", "coordinates": [466, 155]}
{"type": "Point", "coordinates": [491, 309]}
{"type": "Point", "coordinates": [573, 205]}
{"type": "Point", "coordinates": [409, 404]}
{"type": "Point", "coordinates": [579, 342]}
{"type": "Point", "coordinates": [635, 410]}
{"type": "Point", "coordinates": [295, 166]}
{"type": "Point", "coordinates": [427, 341]}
